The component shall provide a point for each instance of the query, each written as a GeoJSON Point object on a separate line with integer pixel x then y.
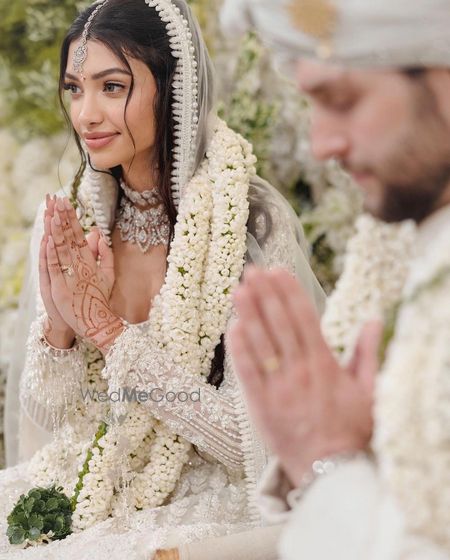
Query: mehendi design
{"type": "Point", "coordinates": [88, 291]}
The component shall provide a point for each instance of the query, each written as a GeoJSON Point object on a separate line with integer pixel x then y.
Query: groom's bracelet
{"type": "Point", "coordinates": [321, 467]}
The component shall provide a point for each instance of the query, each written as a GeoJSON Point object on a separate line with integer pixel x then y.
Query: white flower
{"type": "Point", "coordinates": [140, 461]}
{"type": "Point", "coordinates": [376, 264]}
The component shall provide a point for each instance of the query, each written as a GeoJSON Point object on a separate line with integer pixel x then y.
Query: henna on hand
{"type": "Point", "coordinates": [83, 295]}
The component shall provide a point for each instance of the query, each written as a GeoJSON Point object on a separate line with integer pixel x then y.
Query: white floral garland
{"type": "Point", "coordinates": [188, 317]}
{"type": "Point", "coordinates": [413, 389]}
{"type": "Point", "coordinates": [375, 269]}
{"type": "Point", "coordinates": [207, 254]}
{"type": "Point", "coordinates": [231, 175]}
{"type": "Point", "coordinates": [413, 395]}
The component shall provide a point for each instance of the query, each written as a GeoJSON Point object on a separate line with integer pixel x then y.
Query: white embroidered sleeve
{"type": "Point", "coordinates": [209, 418]}
{"type": "Point", "coordinates": [50, 376]}
{"type": "Point", "coordinates": [215, 420]}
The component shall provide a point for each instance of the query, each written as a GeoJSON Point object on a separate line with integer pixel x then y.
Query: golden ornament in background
{"type": "Point", "coordinates": [314, 17]}
{"type": "Point", "coordinates": [317, 18]}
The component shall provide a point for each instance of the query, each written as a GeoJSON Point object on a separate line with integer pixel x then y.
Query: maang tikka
{"type": "Point", "coordinates": [185, 88]}
{"type": "Point", "coordinates": [80, 54]}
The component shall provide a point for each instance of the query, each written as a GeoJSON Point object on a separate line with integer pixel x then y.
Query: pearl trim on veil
{"type": "Point", "coordinates": [185, 93]}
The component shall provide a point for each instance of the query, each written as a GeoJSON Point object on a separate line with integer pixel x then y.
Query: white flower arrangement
{"type": "Point", "coordinates": [207, 254]}
{"type": "Point", "coordinates": [412, 395]}
{"type": "Point", "coordinates": [188, 317]}
{"type": "Point", "coordinates": [375, 269]}
{"type": "Point", "coordinates": [230, 174]}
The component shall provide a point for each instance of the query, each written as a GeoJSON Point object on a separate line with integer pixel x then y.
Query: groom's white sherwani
{"type": "Point", "coordinates": [396, 506]}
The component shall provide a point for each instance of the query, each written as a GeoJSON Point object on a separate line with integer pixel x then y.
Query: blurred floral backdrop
{"type": "Point", "coordinates": [36, 156]}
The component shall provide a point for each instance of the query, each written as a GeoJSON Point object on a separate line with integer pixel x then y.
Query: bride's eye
{"type": "Point", "coordinates": [111, 87]}
{"type": "Point", "coordinates": [73, 88]}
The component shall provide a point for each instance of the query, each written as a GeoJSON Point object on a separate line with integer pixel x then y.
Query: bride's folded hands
{"type": "Point", "coordinates": [77, 286]}
{"type": "Point", "coordinates": [57, 332]}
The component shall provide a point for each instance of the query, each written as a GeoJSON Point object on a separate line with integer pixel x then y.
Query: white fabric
{"type": "Point", "coordinates": [210, 499]}
{"type": "Point", "coordinates": [216, 492]}
{"type": "Point", "coordinates": [412, 401]}
{"type": "Point", "coordinates": [368, 34]}
{"type": "Point", "coordinates": [396, 508]}
{"type": "Point", "coordinates": [347, 515]}
{"type": "Point", "coordinates": [258, 544]}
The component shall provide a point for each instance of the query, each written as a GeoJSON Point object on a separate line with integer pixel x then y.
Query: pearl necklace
{"type": "Point", "coordinates": [144, 228]}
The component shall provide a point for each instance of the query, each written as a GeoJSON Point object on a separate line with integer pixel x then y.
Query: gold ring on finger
{"type": "Point", "coordinates": [67, 270]}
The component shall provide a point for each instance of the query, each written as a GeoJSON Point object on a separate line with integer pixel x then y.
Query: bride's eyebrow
{"type": "Point", "coordinates": [101, 74]}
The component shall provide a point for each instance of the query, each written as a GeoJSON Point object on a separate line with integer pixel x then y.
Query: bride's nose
{"type": "Point", "coordinates": [91, 111]}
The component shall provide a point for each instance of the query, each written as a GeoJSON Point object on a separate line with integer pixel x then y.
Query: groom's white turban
{"type": "Point", "coordinates": [367, 33]}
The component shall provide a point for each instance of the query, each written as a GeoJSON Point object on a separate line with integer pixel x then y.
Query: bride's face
{"type": "Point", "coordinates": [98, 107]}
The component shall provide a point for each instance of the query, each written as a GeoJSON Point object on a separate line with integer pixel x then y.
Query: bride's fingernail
{"type": "Point", "coordinates": [60, 205]}
{"type": "Point", "coordinates": [51, 243]}
{"type": "Point", "coordinates": [57, 219]}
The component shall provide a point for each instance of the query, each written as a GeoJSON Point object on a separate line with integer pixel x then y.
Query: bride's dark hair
{"type": "Point", "coordinates": [130, 28]}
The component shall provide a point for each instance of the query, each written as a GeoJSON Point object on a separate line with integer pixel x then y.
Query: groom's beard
{"type": "Point", "coordinates": [415, 201]}
{"type": "Point", "coordinates": [413, 178]}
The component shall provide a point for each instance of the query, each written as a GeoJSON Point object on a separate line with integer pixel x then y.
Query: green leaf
{"type": "Point", "coordinates": [39, 506]}
{"type": "Point", "coordinates": [28, 505]}
{"type": "Point", "coordinates": [52, 504]}
{"type": "Point", "coordinates": [34, 533]}
{"type": "Point", "coordinates": [36, 521]}
{"type": "Point", "coordinates": [41, 511]}
{"type": "Point", "coordinates": [20, 519]}
{"type": "Point", "coordinates": [16, 535]}
{"type": "Point", "coordinates": [35, 494]}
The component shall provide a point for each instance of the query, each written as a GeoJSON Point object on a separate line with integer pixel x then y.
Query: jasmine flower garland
{"type": "Point", "coordinates": [136, 463]}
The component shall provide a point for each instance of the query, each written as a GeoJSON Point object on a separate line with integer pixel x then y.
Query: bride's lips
{"type": "Point", "coordinates": [100, 140]}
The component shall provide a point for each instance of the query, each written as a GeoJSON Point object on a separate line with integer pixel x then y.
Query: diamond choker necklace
{"type": "Point", "coordinates": [144, 228]}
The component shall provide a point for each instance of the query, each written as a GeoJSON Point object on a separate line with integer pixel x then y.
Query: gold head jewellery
{"type": "Point", "coordinates": [80, 54]}
{"type": "Point", "coordinates": [317, 18]}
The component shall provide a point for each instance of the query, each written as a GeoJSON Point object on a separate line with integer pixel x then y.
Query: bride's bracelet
{"type": "Point", "coordinates": [320, 468]}
{"type": "Point", "coordinates": [58, 352]}
{"type": "Point", "coordinates": [48, 348]}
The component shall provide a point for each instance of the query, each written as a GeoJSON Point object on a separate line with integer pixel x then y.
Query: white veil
{"type": "Point", "coordinates": [271, 218]}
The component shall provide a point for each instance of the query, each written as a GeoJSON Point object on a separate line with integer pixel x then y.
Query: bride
{"type": "Point", "coordinates": [128, 400]}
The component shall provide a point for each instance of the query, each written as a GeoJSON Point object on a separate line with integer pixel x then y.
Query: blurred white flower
{"type": "Point", "coordinates": [33, 159]}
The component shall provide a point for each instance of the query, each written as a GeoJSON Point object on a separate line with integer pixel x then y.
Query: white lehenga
{"type": "Point", "coordinates": [214, 495]}
{"type": "Point", "coordinates": [208, 501]}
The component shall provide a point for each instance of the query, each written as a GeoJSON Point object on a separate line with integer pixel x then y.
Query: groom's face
{"type": "Point", "coordinates": [390, 130]}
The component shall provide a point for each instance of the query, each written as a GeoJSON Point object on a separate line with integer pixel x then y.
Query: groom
{"type": "Point", "coordinates": [363, 451]}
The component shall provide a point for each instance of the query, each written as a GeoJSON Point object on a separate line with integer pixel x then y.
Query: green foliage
{"type": "Point", "coordinates": [101, 431]}
{"type": "Point", "coordinates": [42, 513]}
{"type": "Point", "coordinates": [32, 32]}
{"type": "Point", "coordinates": [45, 514]}
{"type": "Point", "coordinates": [248, 111]}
